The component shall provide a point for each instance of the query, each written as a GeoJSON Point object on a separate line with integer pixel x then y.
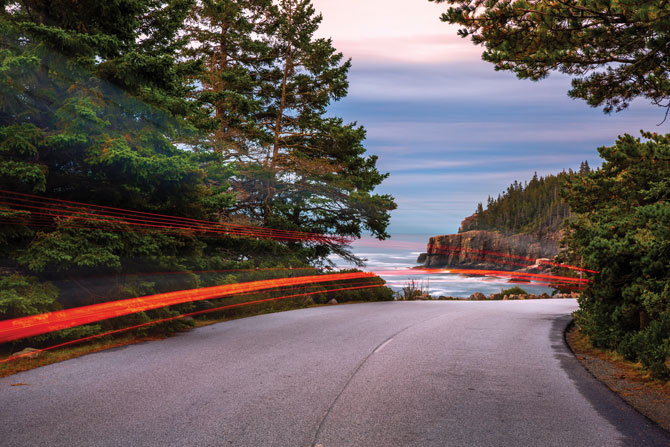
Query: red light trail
{"type": "Point", "coordinates": [53, 321]}
{"type": "Point", "coordinates": [191, 314]}
{"type": "Point", "coordinates": [368, 242]}
{"type": "Point", "coordinates": [33, 325]}
{"type": "Point", "coordinates": [43, 211]}
{"type": "Point", "coordinates": [488, 256]}
{"type": "Point", "coordinates": [37, 211]}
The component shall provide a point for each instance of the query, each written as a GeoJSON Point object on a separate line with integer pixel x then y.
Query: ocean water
{"type": "Point", "coordinates": [391, 259]}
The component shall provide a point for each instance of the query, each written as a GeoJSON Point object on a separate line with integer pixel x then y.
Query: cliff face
{"type": "Point", "coordinates": [488, 250]}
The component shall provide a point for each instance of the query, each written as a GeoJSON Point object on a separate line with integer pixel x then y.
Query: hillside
{"type": "Point", "coordinates": [533, 207]}
{"type": "Point", "coordinates": [522, 224]}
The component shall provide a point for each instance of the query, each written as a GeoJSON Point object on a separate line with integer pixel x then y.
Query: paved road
{"type": "Point", "coordinates": [382, 374]}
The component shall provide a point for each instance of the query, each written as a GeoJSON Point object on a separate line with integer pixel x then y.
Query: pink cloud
{"type": "Point", "coordinates": [399, 31]}
{"type": "Point", "coordinates": [409, 49]}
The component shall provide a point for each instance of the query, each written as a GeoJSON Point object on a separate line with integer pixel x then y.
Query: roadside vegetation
{"type": "Point", "coordinates": [631, 380]}
{"type": "Point", "coordinates": [200, 109]}
{"type": "Point", "coordinates": [413, 290]}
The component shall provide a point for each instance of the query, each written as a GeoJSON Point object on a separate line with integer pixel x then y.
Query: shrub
{"type": "Point", "coordinates": [514, 291]}
{"type": "Point", "coordinates": [412, 291]}
{"type": "Point", "coordinates": [621, 228]}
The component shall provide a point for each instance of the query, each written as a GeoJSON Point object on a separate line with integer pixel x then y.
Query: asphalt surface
{"type": "Point", "coordinates": [378, 374]}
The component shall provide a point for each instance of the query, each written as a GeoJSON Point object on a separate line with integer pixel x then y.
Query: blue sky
{"type": "Point", "coordinates": [449, 129]}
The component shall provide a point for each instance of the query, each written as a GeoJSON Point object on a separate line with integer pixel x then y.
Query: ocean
{"type": "Point", "coordinates": [392, 258]}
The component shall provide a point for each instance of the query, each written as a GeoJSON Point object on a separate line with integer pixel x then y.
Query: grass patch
{"type": "Point", "coordinates": [67, 353]}
{"type": "Point", "coordinates": [581, 345]}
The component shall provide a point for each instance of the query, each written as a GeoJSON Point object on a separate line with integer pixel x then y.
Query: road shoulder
{"type": "Point", "coordinates": [649, 397]}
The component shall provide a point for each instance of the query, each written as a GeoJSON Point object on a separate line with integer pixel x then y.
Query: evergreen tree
{"type": "Point", "coordinates": [264, 95]}
{"type": "Point", "coordinates": [321, 180]}
{"type": "Point", "coordinates": [530, 207]}
{"type": "Point", "coordinates": [231, 39]}
{"type": "Point", "coordinates": [621, 228]}
{"type": "Point", "coordinates": [584, 168]}
{"type": "Point", "coordinates": [617, 51]}
{"type": "Point", "coordinates": [168, 107]}
{"type": "Point", "coordinates": [91, 101]}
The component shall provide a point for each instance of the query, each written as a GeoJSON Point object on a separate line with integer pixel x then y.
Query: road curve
{"type": "Point", "coordinates": [377, 374]}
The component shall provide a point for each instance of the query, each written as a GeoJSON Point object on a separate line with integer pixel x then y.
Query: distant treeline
{"type": "Point", "coordinates": [531, 207]}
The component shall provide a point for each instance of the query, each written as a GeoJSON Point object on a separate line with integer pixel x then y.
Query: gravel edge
{"type": "Point", "coordinates": [643, 394]}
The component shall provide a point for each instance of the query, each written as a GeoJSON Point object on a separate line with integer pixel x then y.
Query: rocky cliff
{"type": "Point", "coordinates": [489, 250]}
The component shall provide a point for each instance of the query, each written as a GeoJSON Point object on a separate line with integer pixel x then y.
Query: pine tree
{"type": "Point", "coordinates": [616, 51]}
{"type": "Point", "coordinates": [621, 228]}
{"type": "Point", "coordinates": [92, 98]}
{"type": "Point", "coordinates": [231, 38]}
{"type": "Point", "coordinates": [331, 182]}
{"type": "Point", "coordinates": [264, 95]}
{"type": "Point", "coordinates": [529, 207]}
{"type": "Point", "coordinates": [584, 168]}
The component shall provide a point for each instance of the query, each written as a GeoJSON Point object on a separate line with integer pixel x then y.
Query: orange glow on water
{"type": "Point", "coordinates": [493, 273]}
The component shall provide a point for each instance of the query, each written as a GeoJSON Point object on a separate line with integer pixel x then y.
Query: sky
{"type": "Point", "coordinates": [449, 129]}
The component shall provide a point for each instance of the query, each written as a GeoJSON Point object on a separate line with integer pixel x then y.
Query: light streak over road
{"type": "Point", "coordinates": [53, 321]}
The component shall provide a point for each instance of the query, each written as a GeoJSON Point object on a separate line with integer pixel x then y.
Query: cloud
{"type": "Point", "coordinates": [485, 133]}
{"type": "Point", "coordinates": [435, 180]}
{"type": "Point", "coordinates": [380, 18]}
{"type": "Point", "coordinates": [408, 50]}
{"type": "Point", "coordinates": [467, 79]}
{"type": "Point", "coordinates": [448, 128]}
{"type": "Point", "coordinates": [430, 162]}
{"type": "Point", "coordinates": [408, 31]}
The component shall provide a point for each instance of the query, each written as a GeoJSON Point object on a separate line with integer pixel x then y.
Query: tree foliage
{"type": "Point", "coordinates": [231, 39]}
{"type": "Point", "coordinates": [615, 50]}
{"type": "Point", "coordinates": [621, 228]}
{"type": "Point", "coordinates": [266, 88]}
{"type": "Point", "coordinates": [534, 207]}
{"type": "Point", "coordinates": [208, 109]}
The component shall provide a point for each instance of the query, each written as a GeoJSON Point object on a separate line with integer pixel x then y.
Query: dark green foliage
{"type": "Point", "coordinates": [357, 295]}
{"type": "Point", "coordinates": [621, 227]}
{"type": "Point", "coordinates": [617, 50]}
{"type": "Point", "coordinates": [91, 94]}
{"type": "Point", "coordinates": [231, 38]}
{"type": "Point", "coordinates": [534, 207]}
{"type": "Point", "coordinates": [90, 106]}
{"type": "Point", "coordinates": [264, 93]}
{"type": "Point", "coordinates": [21, 295]}
{"type": "Point", "coordinates": [211, 110]}
{"type": "Point", "coordinates": [321, 181]}
{"type": "Point", "coordinates": [516, 290]}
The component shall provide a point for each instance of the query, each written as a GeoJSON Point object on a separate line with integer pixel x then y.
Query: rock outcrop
{"type": "Point", "coordinates": [30, 353]}
{"type": "Point", "coordinates": [489, 250]}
